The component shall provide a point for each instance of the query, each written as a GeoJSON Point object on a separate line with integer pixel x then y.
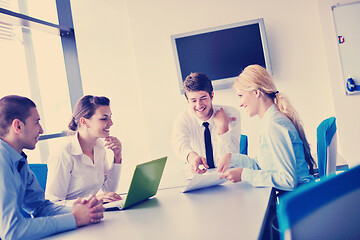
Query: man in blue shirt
{"type": "Point", "coordinates": [19, 189]}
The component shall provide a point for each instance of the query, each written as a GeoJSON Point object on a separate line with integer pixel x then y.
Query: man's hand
{"type": "Point", "coordinates": [224, 163]}
{"type": "Point", "coordinates": [233, 175]}
{"type": "Point", "coordinates": [88, 211]}
{"type": "Point", "coordinates": [222, 121]}
{"type": "Point", "coordinates": [195, 161]}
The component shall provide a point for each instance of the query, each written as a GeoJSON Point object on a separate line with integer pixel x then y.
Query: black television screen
{"type": "Point", "coordinates": [221, 52]}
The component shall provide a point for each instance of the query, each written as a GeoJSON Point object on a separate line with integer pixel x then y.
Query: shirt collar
{"type": "Point", "coordinates": [272, 110]}
{"type": "Point", "coordinates": [210, 120]}
{"type": "Point", "coordinates": [15, 156]}
{"type": "Point", "coordinates": [75, 148]}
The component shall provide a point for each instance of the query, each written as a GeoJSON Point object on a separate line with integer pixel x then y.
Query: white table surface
{"type": "Point", "coordinates": [226, 211]}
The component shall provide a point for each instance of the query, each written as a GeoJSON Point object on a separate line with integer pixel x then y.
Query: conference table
{"type": "Point", "coordinates": [227, 211]}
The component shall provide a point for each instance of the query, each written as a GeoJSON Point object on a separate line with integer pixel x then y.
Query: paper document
{"type": "Point", "coordinates": [208, 179]}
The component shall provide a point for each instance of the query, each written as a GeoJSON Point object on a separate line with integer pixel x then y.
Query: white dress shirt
{"type": "Point", "coordinates": [188, 134]}
{"type": "Point", "coordinates": [281, 161]}
{"type": "Point", "coordinates": [72, 174]}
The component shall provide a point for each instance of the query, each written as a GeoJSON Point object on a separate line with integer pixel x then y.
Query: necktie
{"type": "Point", "coordinates": [208, 146]}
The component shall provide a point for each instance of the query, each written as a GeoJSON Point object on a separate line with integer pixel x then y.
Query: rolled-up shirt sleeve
{"type": "Point", "coordinates": [243, 161]}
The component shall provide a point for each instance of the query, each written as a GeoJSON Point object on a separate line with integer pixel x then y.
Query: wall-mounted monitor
{"type": "Point", "coordinates": [221, 52]}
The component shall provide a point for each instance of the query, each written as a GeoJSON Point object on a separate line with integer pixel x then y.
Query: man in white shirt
{"type": "Point", "coordinates": [188, 130]}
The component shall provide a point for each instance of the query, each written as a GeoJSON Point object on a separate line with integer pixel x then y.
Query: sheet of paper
{"type": "Point", "coordinates": [208, 179]}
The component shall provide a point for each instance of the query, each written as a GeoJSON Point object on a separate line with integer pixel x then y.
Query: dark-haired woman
{"type": "Point", "coordinates": [81, 168]}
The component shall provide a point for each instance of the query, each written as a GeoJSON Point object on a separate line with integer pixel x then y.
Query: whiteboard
{"type": "Point", "coordinates": [347, 27]}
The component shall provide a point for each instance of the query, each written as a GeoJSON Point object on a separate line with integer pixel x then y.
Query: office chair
{"type": "Point", "coordinates": [328, 209]}
{"type": "Point", "coordinates": [40, 171]}
{"type": "Point", "coordinates": [327, 146]}
{"type": "Point", "coordinates": [243, 144]}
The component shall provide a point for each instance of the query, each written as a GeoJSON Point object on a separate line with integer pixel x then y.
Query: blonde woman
{"type": "Point", "coordinates": [284, 160]}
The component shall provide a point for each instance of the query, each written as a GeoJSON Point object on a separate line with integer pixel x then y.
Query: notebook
{"type": "Point", "coordinates": [144, 184]}
{"type": "Point", "coordinates": [208, 179]}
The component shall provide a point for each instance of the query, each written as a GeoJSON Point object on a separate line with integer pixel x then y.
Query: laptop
{"type": "Point", "coordinates": [144, 184]}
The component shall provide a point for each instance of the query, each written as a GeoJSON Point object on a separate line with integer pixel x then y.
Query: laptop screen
{"type": "Point", "coordinates": [145, 181]}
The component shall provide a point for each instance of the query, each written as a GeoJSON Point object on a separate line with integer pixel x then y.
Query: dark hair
{"type": "Point", "coordinates": [86, 107]}
{"type": "Point", "coordinates": [197, 82]}
{"type": "Point", "coordinates": [13, 107]}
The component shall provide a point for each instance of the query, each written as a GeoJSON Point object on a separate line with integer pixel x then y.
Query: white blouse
{"type": "Point", "coordinates": [72, 174]}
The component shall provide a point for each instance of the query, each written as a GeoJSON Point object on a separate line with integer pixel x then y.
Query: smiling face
{"type": "Point", "coordinates": [249, 100]}
{"type": "Point", "coordinates": [31, 130]}
{"type": "Point", "coordinates": [200, 103]}
{"type": "Point", "coordinates": [99, 124]}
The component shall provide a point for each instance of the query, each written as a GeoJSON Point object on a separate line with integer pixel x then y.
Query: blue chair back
{"type": "Point", "coordinates": [243, 144]}
{"type": "Point", "coordinates": [327, 209]}
{"type": "Point", "coordinates": [326, 146]}
{"type": "Point", "coordinates": [40, 170]}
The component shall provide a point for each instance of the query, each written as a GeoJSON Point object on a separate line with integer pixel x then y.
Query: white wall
{"type": "Point", "coordinates": [296, 51]}
{"type": "Point", "coordinates": [108, 68]}
{"type": "Point", "coordinates": [346, 107]}
{"type": "Point", "coordinates": [125, 53]}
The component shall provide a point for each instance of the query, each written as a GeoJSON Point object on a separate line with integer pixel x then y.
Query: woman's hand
{"type": "Point", "coordinates": [108, 197]}
{"type": "Point", "coordinates": [115, 145]}
{"type": "Point", "coordinates": [224, 163]}
{"type": "Point", "coordinates": [233, 175]}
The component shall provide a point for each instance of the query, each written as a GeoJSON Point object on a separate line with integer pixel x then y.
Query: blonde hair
{"type": "Point", "coordinates": [256, 77]}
